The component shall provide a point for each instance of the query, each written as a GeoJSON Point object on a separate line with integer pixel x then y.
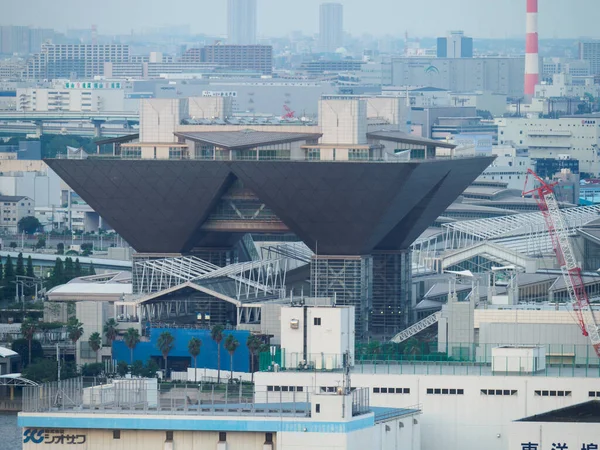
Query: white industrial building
{"type": "Point", "coordinates": [577, 137]}
{"type": "Point", "coordinates": [89, 96]}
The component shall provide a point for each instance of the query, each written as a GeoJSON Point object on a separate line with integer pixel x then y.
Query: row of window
{"type": "Point", "coordinates": [498, 392]}
{"type": "Point", "coordinates": [552, 393]}
{"type": "Point", "coordinates": [440, 391]}
{"type": "Point", "coordinates": [285, 389]}
{"type": "Point", "coordinates": [390, 390]}
{"type": "Point", "coordinates": [594, 394]}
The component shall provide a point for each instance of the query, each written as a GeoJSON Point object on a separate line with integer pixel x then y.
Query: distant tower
{"type": "Point", "coordinates": [331, 27]}
{"type": "Point", "coordinates": [532, 62]}
{"type": "Point", "coordinates": [241, 22]}
{"type": "Point", "coordinates": [94, 35]}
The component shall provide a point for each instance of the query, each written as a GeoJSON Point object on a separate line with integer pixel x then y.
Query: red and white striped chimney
{"type": "Point", "coordinates": [532, 62]}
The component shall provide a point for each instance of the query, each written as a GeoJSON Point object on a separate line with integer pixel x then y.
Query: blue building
{"type": "Point", "coordinates": [179, 357]}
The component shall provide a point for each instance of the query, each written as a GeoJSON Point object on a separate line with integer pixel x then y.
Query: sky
{"type": "Point", "coordinates": [478, 18]}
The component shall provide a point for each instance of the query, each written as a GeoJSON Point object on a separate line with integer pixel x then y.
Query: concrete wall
{"type": "Point", "coordinates": [343, 121]}
{"type": "Point", "coordinates": [160, 117]}
{"type": "Point", "coordinates": [546, 435]}
{"type": "Point", "coordinates": [470, 421]}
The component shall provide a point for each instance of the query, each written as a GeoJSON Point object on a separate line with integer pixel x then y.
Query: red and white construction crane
{"type": "Point", "coordinates": [559, 234]}
{"type": "Point", "coordinates": [289, 114]}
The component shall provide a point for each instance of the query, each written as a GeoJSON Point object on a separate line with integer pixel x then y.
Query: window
{"type": "Point", "coordinates": [318, 408]}
{"type": "Point", "coordinates": [498, 392]}
{"type": "Point", "coordinates": [594, 394]}
{"type": "Point", "coordinates": [116, 434]}
{"type": "Point", "coordinates": [376, 391]}
{"type": "Point", "coordinates": [317, 321]}
{"type": "Point", "coordinates": [269, 388]}
{"type": "Point", "coordinates": [222, 436]}
{"type": "Point", "coordinates": [552, 393]}
{"type": "Point", "coordinates": [169, 436]}
{"type": "Point", "coordinates": [268, 438]}
{"type": "Point", "coordinates": [440, 391]}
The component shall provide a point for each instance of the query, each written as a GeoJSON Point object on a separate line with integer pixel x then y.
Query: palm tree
{"type": "Point", "coordinates": [253, 343]}
{"type": "Point", "coordinates": [95, 341]}
{"type": "Point", "coordinates": [194, 345]}
{"type": "Point", "coordinates": [216, 333]}
{"type": "Point", "coordinates": [412, 347]}
{"type": "Point", "coordinates": [110, 331]}
{"type": "Point", "coordinates": [231, 345]}
{"type": "Point", "coordinates": [131, 338]}
{"type": "Point", "coordinates": [28, 329]}
{"type": "Point", "coordinates": [74, 329]}
{"type": "Point", "coordinates": [165, 345]}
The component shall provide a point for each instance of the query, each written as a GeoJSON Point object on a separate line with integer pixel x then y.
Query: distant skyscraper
{"type": "Point", "coordinates": [590, 51]}
{"type": "Point", "coordinates": [241, 22]}
{"type": "Point", "coordinates": [455, 45]}
{"type": "Point", "coordinates": [331, 29]}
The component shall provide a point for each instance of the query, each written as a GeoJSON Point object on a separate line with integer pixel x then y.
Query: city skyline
{"type": "Point", "coordinates": [481, 19]}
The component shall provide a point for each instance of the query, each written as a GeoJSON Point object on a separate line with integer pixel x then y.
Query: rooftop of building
{"type": "Point", "coordinates": [588, 412]}
{"type": "Point", "coordinates": [399, 136]}
{"type": "Point", "coordinates": [246, 138]}
{"type": "Point", "coordinates": [11, 198]}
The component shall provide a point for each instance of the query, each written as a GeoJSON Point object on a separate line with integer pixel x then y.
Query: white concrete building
{"type": "Point", "coordinates": [13, 209]}
{"type": "Point", "coordinates": [160, 117]}
{"type": "Point", "coordinates": [576, 136]}
{"type": "Point", "coordinates": [562, 86]}
{"type": "Point", "coordinates": [90, 96]}
{"type": "Point", "coordinates": [510, 166]}
{"type": "Point", "coordinates": [496, 104]}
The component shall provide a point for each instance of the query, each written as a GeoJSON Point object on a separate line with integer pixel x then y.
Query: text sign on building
{"type": "Point", "coordinates": [559, 446]}
{"type": "Point", "coordinates": [588, 122]}
{"type": "Point", "coordinates": [219, 93]}
{"type": "Point", "coordinates": [52, 437]}
{"type": "Point", "coordinates": [482, 142]}
{"type": "Point", "coordinates": [92, 85]}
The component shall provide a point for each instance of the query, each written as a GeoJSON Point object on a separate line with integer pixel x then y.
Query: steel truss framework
{"type": "Point", "coordinates": [244, 285]}
{"type": "Point", "coordinates": [506, 229]}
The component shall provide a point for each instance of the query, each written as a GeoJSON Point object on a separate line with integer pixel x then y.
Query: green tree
{"type": "Point", "coordinates": [69, 269]}
{"type": "Point", "coordinates": [74, 329]}
{"type": "Point", "coordinates": [122, 368]}
{"type": "Point", "coordinates": [29, 225]}
{"type": "Point", "coordinates": [60, 248]}
{"type": "Point", "coordinates": [20, 271]}
{"type": "Point", "coordinates": [21, 346]}
{"type": "Point", "coordinates": [137, 368]}
{"type": "Point", "coordinates": [28, 329]}
{"type": "Point", "coordinates": [92, 370]}
{"type": "Point", "coordinates": [165, 343]}
{"type": "Point", "coordinates": [57, 277]}
{"type": "Point", "coordinates": [253, 343]}
{"type": "Point", "coordinates": [41, 243]}
{"type": "Point", "coordinates": [151, 369]}
{"type": "Point", "coordinates": [42, 371]}
{"type": "Point", "coordinates": [412, 347]}
{"type": "Point", "coordinates": [29, 268]}
{"type": "Point", "coordinates": [77, 269]}
{"type": "Point", "coordinates": [92, 270]}
{"type": "Point", "coordinates": [110, 331]}
{"type": "Point", "coordinates": [231, 345]}
{"type": "Point", "coordinates": [131, 338]}
{"type": "Point", "coordinates": [95, 341]}
{"type": "Point", "coordinates": [216, 334]}
{"type": "Point", "coordinates": [86, 249]}
{"type": "Point", "coordinates": [9, 278]}
{"type": "Point", "coordinates": [194, 345]}
{"type": "Point", "coordinates": [13, 245]}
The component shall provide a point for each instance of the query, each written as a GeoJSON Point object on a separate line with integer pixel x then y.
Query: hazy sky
{"type": "Point", "coordinates": [478, 18]}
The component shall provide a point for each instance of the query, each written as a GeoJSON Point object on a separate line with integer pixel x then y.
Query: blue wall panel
{"type": "Point", "coordinates": [208, 352]}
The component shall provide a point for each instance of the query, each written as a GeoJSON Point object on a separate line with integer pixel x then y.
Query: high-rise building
{"type": "Point", "coordinates": [241, 22]}
{"type": "Point", "coordinates": [590, 51]}
{"type": "Point", "coordinates": [14, 39]}
{"type": "Point", "coordinates": [331, 27]}
{"type": "Point", "coordinates": [455, 45]}
{"type": "Point", "coordinates": [257, 58]}
{"type": "Point", "coordinates": [74, 61]}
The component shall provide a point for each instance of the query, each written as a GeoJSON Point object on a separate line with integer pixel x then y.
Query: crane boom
{"type": "Point", "coordinates": [559, 234]}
